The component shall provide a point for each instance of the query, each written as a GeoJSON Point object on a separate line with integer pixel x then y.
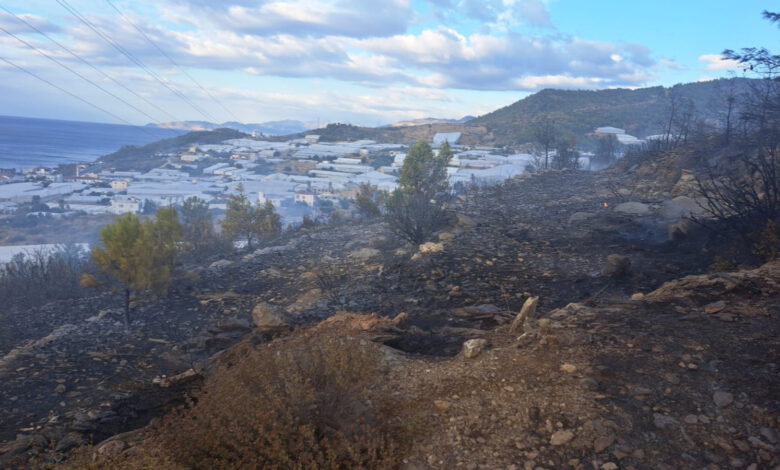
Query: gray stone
{"type": "Point", "coordinates": [561, 437]}
{"type": "Point", "coordinates": [528, 311]}
{"type": "Point", "coordinates": [662, 421]}
{"type": "Point", "coordinates": [473, 347]}
{"type": "Point", "coordinates": [465, 221]}
{"type": "Point", "coordinates": [579, 217]}
{"type": "Point", "coordinates": [617, 266]}
{"type": "Point", "coordinates": [267, 317]}
{"type": "Point", "coordinates": [722, 399]}
{"type": "Point", "coordinates": [633, 208]}
{"type": "Point", "coordinates": [680, 207]}
{"type": "Point", "coordinates": [223, 263]}
{"type": "Point", "coordinates": [69, 442]}
{"type": "Point", "coordinates": [681, 229]}
{"type": "Point", "coordinates": [365, 254]}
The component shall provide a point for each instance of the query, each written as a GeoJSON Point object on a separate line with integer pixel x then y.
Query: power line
{"type": "Point", "coordinates": [67, 92]}
{"type": "Point", "coordinates": [88, 64]}
{"type": "Point", "coordinates": [131, 57]}
{"type": "Point", "coordinates": [141, 31]}
{"type": "Point", "coordinates": [73, 71]}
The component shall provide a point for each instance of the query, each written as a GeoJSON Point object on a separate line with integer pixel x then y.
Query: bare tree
{"type": "Point", "coordinates": [545, 135]}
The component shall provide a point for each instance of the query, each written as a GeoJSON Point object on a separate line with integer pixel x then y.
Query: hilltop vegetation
{"type": "Point", "coordinates": [147, 157]}
{"type": "Point", "coordinates": [640, 112]}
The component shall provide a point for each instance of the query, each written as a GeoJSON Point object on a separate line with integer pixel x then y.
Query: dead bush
{"type": "Point", "coordinates": [305, 405]}
{"type": "Point", "coordinates": [301, 407]}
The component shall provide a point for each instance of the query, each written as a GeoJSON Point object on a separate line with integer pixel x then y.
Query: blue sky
{"type": "Point", "coordinates": [363, 62]}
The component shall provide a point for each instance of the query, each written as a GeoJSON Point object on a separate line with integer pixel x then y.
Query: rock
{"type": "Point", "coordinates": [617, 266]}
{"type": "Point", "coordinates": [430, 248]}
{"type": "Point", "coordinates": [680, 229]}
{"type": "Point", "coordinates": [602, 442]}
{"type": "Point", "coordinates": [633, 208]}
{"type": "Point", "coordinates": [445, 236]}
{"type": "Point", "coordinates": [465, 221]}
{"type": "Point", "coordinates": [60, 388]}
{"type": "Point", "coordinates": [473, 347]}
{"type": "Point", "coordinates": [231, 324]}
{"type": "Point", "coordinates": [527, 311]}
{"type": "Point", "coordinates": [442, 405]}
{"type": "Point", "coordinates": [17, 446]}
{"type": "Point", "coordinates": [609, 466]}
{"type": "Point", "coordinates": [69, 442]}
{"type": "Point", "coordinates": [185, 377]}
{"type": "Point", "coordinates": [638, 297]}
{"type": "Point", "coordinates": [223, 263]}
{"type": "Point", "coordinates": [715, 307]}
{"type": "Point", "coordinates": [267, 317]}
{"type": "Point", "coordinates": [640, 391]}
{"type": "Point", "coordinates": [365, 254]}
{"type": "Point", "coordinates": [561, 437]}
{"type": "Point", "coordinates": [722, 399]}
{"type": "Point", "coordinates": [569, 368]}
{"type": "Point", "coordinates": [690, 419]}
{"type": "Point", "coordinates": [110, 448]}
{"type": "Point", "coordinates": [662, 421]}
{"type": "Point", "coordinates": [680, 207]}
{"type": "Point", "coordinates": [578, 217]}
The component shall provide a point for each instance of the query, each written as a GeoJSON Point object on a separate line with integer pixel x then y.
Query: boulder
{"type": "Point", "coordinates": [465, 221]}
{"type": "Point", "coordinates": [681, 229]}
{"type": "Point", "coordinates": [633, 208]}
{"type": "Point", "coordinates": [267, 317]}
{"type": "Point", "coordinates": [722, 399]}
{"type": "Point", "coordinates": [617, 266]}
{"type": "Point", "coordinates": [365, 254]}
{"type": "Point", "coordinates": [579, 217]}
{"type": "Point", "coordinates": [223, 263]}
{"type": "Point", "coordinates": [561, 437]}
{"type": "Point", "coordinates": [473, 347]}
{"type": "Point", "coordinates": [527, 311]}
{"type": "Point", "coordinates": [431, 247]}
{"type": "Point", "coordinates": [680, 207]}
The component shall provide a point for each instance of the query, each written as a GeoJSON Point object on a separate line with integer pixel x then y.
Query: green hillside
{"type": "Point", "coordinates": [640, 112]}
{"type": "Point", "coordinates": [147, 157]}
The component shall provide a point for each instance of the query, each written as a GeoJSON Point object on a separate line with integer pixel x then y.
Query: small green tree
{"type": "Point", "coordinates": [197, 227]}
{"type": "Point", "coordinates": [422, 171]}
{"type": "Point", "coordinates": [134, 258]}
{"type": "Point", "coordinates": [369, 201]}
{"type": "Point", "coordinates": [243, 221]}
{"type": "Point", "coordinates": [166, 233]}
{"type": "Point", "coordinates": [417, 208]}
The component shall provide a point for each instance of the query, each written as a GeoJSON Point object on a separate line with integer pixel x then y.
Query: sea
{"type": "Point", "coordinates": [32, 142]}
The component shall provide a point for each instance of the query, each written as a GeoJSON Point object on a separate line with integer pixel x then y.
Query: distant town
{"type": "Point", "coordinates": [301, 177]}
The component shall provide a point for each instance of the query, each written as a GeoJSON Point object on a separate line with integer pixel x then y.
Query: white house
{"type": "Point", "coordinates": [119, 184]}
{"type": "Point", "coordinates": [123, 205]}
{"type": "Point", "coordinates": [307, 198]}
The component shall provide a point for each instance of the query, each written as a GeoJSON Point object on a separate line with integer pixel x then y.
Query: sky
{"type": "Point", "coordinates": [362, 62]}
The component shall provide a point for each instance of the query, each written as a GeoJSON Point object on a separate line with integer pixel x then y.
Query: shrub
{"type": "Point", "coordinates": [300, 407]}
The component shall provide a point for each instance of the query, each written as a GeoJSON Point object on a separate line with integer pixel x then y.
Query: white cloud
{"type": "Point", "coordinates": [671, 64]}
{"type": "Point", "coordinates": [13, 25]}
{"type": "Point", "coordinates": [718, 62]}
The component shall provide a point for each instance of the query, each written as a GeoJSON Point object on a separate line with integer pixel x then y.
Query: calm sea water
{"type": "Point", "coordinates": [30, 142]}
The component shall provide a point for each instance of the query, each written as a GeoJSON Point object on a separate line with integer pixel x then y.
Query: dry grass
{"type": "Point", "coordinates": [307, 404]}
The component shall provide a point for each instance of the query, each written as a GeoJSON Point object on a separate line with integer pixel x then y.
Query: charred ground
{"type": "Point", "coordinates": [639, 378]}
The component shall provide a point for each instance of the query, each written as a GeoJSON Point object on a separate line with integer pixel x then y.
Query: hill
{"type": "Point", "coordinates": [423, 121]}
{"type": "Point", "coordinates": [149, 156]}
{"type": "Point", "coordinates": [640, 112]}
{"type": "Point", "coordinates": [282, 127]}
